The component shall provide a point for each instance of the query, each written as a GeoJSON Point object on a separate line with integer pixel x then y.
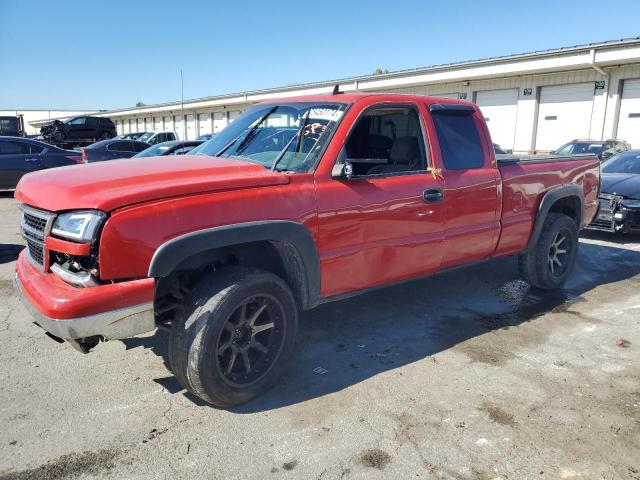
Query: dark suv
{"type": "Point", "coordinates": [602, 148]}
{"type": "Point", "coordinates": [79, 128]}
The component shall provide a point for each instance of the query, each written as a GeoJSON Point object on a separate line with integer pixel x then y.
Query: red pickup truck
{"type": "Point", "coordinates": [297, 202]}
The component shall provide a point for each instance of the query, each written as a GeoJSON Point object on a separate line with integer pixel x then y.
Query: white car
{"type": "Point", "coordinates": [157, 137]}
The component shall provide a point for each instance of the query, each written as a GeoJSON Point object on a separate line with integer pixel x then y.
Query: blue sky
{"type": "Point", "coordinates": [112, 54]}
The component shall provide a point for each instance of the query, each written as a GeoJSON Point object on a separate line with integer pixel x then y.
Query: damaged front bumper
{"type": "Point", "coordinates": [83, 316]}
{"type": "Point", "coordinates": [616, 214]}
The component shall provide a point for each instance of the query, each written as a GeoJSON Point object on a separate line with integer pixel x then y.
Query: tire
{"type": "Point", "coordinates": [104, 136]}
{"type": "Point", "coordinates": [213, 339]}
{"type": "Point", "coordinates": [58, 137]}
{"type": "Point", "coordinates": [550, 263]}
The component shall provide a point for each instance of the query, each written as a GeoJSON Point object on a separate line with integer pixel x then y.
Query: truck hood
{"type": "Point", "coordinates": [113, 184]}
{"type": "Point", "coordinates": [624, 184]}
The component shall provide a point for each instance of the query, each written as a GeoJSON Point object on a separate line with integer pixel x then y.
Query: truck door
{"type": "Point", "coordinates": [384, 223]}
{"type": "Point", "coordinates": [16, 160]}
{"type": "Point", "coordinates": [472, 183]}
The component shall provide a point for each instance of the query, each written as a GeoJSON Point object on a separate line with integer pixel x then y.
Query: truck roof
{"type": "Point", "coordinates": [354, 97]}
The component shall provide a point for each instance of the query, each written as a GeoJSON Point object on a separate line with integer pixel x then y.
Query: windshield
{"type": "Point", "coordinates": [285, 137]}
{"type": "Point", "coordinates": [146, 136]}
{"type": "Point", "coordinates": [154, 151]}
{"type": "Point", "coordinates": [578, 148]}
{"type": "Point", "coordinates": [627, 162]}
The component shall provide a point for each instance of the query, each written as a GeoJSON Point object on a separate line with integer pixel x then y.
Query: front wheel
{"type": "Point", "coordinates": [549, 264]}
{"type": "Point", "coordinates": [233, 335]}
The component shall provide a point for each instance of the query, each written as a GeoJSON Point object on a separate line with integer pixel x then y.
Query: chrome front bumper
{"type": "Point", "coordinates": [111, 325]}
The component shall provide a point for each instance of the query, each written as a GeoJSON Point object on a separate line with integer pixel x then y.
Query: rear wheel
{"type": "Point", "coordinates": [105, 136]}
{"type": "Point", "coordinates": [233, 336]}
{"type": "Point", "coordinates": [550, 263]}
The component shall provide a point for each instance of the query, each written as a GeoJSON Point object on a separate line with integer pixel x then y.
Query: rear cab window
{"type": "Point", "coordinates": [460, 142]}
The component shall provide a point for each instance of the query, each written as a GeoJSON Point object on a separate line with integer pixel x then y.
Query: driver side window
{"type": "Point", "coordinates": [387, 141]}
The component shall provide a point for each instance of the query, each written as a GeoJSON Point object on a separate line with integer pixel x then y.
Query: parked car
{"type": "Point", "coordinates": [78, 128]}
{"type": "Point", "coordinates": [110, 149]}
{"type": "Point", "coordinates": [19, 156]}
{"type": "Point", "coordinates": [130, 136]}
{"type": "Point", "coordinates": [619, 201]}
{"type": "Point", "coordinates": [226, 247]}
{"type": "Point", "coordinates": [603, 149]}
{"type": "Point", "coordinates": [12, 126]}
{"type": "Point", "coordinates": [157, 137]}
{"type": "Point", "coordinates": [176, 147]}
{"type": "Point", "coordinates": [205, 137]}
{"type": "Point", "coordinates": [498, 149]}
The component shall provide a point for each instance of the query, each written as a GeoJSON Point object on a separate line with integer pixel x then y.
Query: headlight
{"type": "Point", "coordinates": [81, 225]}
{"type": "Point", "coordinates": [630, 203]}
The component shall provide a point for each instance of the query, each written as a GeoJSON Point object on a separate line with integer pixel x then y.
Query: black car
{"type": "Point", "coordinates": [110, 149]}
{"type": "Point", "coordinates": [175, 147]}
{"type": "Point", "coordinates": [602, 148]}
{"type": "Point", "coordinates": [19, 156]}
{"type": "Point", "coordinates": [79, 128]}
{"type": "Point", "coordinates": [619, 202]}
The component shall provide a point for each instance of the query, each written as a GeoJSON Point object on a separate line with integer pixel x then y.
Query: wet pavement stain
{"type": "Point", "coordinates": [290, 465]}
{"type": "Point", "coordinates": [497, 414]}
{"type": "Point", "coordinates": [375, 458]}
{"type": "Point", "coordinates": [69, 466]}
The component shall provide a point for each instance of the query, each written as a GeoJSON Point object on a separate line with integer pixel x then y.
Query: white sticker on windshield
{"type": "Point", "coordinates": [328, 114]}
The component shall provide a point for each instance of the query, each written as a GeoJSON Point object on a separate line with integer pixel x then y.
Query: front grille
{"type": "Point", "coordinates": [35, 226]}
{"type": "Point", "coordinates": [36, 251]}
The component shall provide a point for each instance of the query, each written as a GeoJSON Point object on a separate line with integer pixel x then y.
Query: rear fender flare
{"type": "Point", "coordinates": [173, 252]}
{"type": "Point", "coordinates": [549, 199]}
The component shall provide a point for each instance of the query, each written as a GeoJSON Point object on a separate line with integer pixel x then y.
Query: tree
{"type": "Point", "coordinates": [141, 104]}
{"type": "Point", "coordinates": [380, 71]}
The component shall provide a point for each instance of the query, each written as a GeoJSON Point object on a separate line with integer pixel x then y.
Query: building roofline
{"type": "Point", "coordinates": [400, 74]}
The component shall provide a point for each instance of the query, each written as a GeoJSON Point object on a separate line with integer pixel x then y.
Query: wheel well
{"type": "Point", "coordinates": [278, 257]}
{"type": "Point", "coordinates": [569, 206]}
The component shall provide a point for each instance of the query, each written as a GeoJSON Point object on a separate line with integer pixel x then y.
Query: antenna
{"type": "Point", "coordinates": [336, 89]}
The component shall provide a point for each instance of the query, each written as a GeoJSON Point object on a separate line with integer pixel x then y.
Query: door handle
{"type": "Point", "coordinates": [32, 160]}
{"type": "Point", "coordinates": [433, 195]}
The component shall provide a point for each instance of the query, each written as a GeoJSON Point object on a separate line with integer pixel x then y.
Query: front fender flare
{"type": "Point", "coordinates": [173, 252]}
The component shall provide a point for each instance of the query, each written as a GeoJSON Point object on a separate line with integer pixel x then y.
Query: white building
{"type": "Point", "coordinates": [39, 116]}
{"type": "Point", "coordinates": [532, 102]}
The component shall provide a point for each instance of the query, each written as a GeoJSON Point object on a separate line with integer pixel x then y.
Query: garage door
{"type": "Point", "coordinates": [179, 127]}
{"type": "Point", "coordinates": [629, 119]}
{"type": "Point", "coordinates": [564, 114]}
{"type": "Point", "coordinates": [148, 124]}
{"type": "Point", "coordinates": [168, 124]}
{"type": "Point", "coordinates": [140, 125]}
{"type": "Point", "coordinates": [219, 121]}
{"type": "Point", "coordinates": [157, 124]}
{"type": "Point", "coordinates": [234, 115]}
{"type": "Point", "coordinates": [500, 109]}
{"type": "Point", "coordinates": [204, 123]}
{"type": "Point", "coordinates": [191, 127]}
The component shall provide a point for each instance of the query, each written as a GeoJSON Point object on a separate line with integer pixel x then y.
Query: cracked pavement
{"type": "Point", "coordinates": [466, 375]}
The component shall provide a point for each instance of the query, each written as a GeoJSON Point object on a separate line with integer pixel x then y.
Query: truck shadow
{"type": "Point", "coordinates": [9, 252]}
{"type": "Point", "coordinates": [344, 343]}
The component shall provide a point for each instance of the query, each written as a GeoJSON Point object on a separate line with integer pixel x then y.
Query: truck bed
{"type": "Point", "coordinates": [525, 180]}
